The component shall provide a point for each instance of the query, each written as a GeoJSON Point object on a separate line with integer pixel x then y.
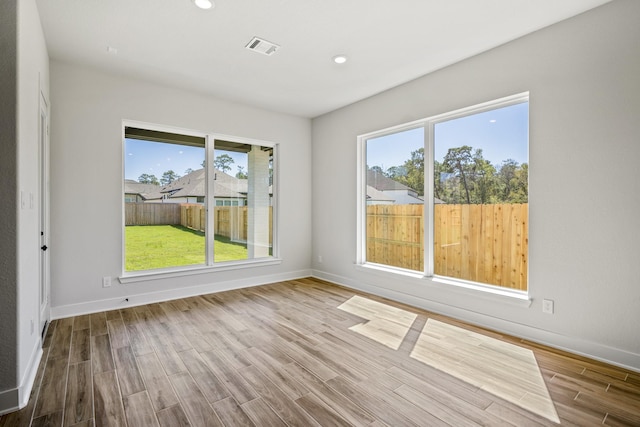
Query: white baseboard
{"type": "Point", "coordinates": [17, 398]}
{"type": "Point", "coordinates": [597, 351]}
{"type": "Point", "coordinates": [96, 306]}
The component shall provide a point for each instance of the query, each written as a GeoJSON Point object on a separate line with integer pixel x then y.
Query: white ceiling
{"type": "Point", "coordinates": [388, 42]}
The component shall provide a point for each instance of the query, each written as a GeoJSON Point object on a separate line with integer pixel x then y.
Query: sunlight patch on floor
{"type": "Point", "coordinates": [502, 369]}
{"type": "Point", "coordinates": [385, 324]}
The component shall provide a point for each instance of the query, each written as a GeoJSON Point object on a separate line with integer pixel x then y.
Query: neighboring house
{"type": "Point", "coordinates": [229, 190]}
{"type": "Point", "coordinates": [135, 191]}
{"type": "Point", "coordinates": [375, 197]}
{"type": "Point", "coordinates": [382, 190]}
{"type": "Point", "coordinates": [390, 189]}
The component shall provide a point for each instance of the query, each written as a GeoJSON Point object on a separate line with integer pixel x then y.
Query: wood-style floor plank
{"type": "Point", "coordinates": [128, 373]}
{"type": "Point", "coordinates": [79, 398]}
{"type": "Point", "coordinates": [101, 353]}
{"type": "Point", "coordinates": [323, 414]}
{"type": "Point", "coordinates": [213, 389]}
{"type": "Point", "coordinates": [80, 346]}
{"type": "Point", "coordinates": [285, 354]}
{"type": "Point", "coordinates": [139, 342]}
{"type": "Point", "coordinates": [262, 414]}
{"type": "Point", "coordinates": [49, 420]}
{"type": "Point", "coordinates": [173, 416]}
{"type": "Point", "coordinates": [157, 383]}
{"type": "Point", "coordinates": [231, 413]}
{"type": "Point", "coordinates": [107, 399]}
{"type": "Point", "coordinates": [138, 410]}
{"type": "Point", "coordinates": [82, 322]}
{"type": "Point", "coordinates": [98, 324]}
{"type": "Point", "coordinates": [52, 390]}
{"type": "Point", "coordinates": [234, 382]}
{"type": "Point", "coordinates": [117, 333]}
{"type": "Point", "coordinates": [349, 410]}
{"type": "Point", "coordinates": [198, 410]}
{"type": "Point", "coordinates": [286, 409]}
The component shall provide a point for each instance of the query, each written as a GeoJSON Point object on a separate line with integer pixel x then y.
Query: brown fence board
{"type": "Point", "coordinates": [479, 243]}
{"type": "Point", "coordinates": [229, 221]}
{"type": "Point", "coordinates": [151, 213]}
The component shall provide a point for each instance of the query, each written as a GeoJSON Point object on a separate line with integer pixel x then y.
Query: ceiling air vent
{"type": "Point", "coordinates": [260, 45]}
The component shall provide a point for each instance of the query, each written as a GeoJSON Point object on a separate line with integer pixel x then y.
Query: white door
{"type": "Point", "coordinates": [44, 213]}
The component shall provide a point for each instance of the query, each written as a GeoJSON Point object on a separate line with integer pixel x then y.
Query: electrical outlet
{"type": "Point", "coordinates": [106, 282]}
{"type": "Point", "coordinates": [320, 259]}
{"type": "Point", "coordinates": [547, 306]}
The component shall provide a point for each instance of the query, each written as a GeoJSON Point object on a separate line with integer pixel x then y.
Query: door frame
{"type": "Point", "coordinates": [43, 214]}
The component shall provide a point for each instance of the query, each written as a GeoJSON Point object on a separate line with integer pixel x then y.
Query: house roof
{"type": "Point", "coordinates": [193, 185]}
{"type": "Point", "coordinates": [143, 190]}
{"type": "Point", "coordinates": [383, 183]}
{"type": "Point", "coordinates": [374, 195]}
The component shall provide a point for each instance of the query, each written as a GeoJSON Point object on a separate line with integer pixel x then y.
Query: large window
{"type": "Point", "coordinates": [395, 199]}
{"type": "Point", "coordinates": [195, 200]}
{"type": "Point", "coordinates": [448, 196]}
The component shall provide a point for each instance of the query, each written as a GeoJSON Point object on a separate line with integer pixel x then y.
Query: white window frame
{"type": "Point", "coordinates": [209, 265]}
{"type": "Point", "coordinates": [429, 132]}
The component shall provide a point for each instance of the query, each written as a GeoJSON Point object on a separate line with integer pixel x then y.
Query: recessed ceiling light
{"type": "Point", "coordinates": [112, 50]}
{"type": "Point", "coordinates": [204, 4]}
{"type": "Point", "coordinates": [339, 59]}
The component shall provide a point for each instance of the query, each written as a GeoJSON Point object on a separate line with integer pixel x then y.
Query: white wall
{"type": "Point", "coordinates": [8, 209]}
{"type": "Point", "coordinates": [19, 297]}
{"type": "Point", "coordinates": [583, 75]}
{"type": "Point", "coordinates": [33, 80]}
{"type": "Point", "coordinates": [88, 107]}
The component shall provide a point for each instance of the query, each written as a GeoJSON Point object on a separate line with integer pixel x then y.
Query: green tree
{"type": "Point", "coordinates": [188, 171]}
{"type": "Point", "coordinates": [395, 172]}
{"type": "Point", "coordinates": [458, 161]}
{"type": "Point", "coordinates": [520, 185]}
{"type": "Point", "coordinates": [413, 176]}
{"type": "Point", "coordinates": [168, 177]}
{"type": "Point", "coordinates": [223, 162]}
{"type": "Point", "coordinates": [513, 182]}
{"type": "Point", "coordinates": [378, 170]}
{"type": "Point", "coordinates": [506, 174]}
{"type": "Point", "coordinates": [146, 178]}
{"type": "Point", "coordinates": [484, 179]}
{"type": "Point", "coordinates": [241, 174]}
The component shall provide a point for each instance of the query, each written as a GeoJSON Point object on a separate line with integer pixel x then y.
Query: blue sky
{"type": "Point", "coordinates": [155, 158]}
{"type": "Point", "coordinates": [501, 134]}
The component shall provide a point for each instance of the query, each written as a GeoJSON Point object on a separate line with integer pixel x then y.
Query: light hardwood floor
{"type": "Point", "coordinates": [307, 353]}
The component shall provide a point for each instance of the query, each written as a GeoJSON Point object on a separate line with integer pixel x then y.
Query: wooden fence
{"type": "Point", "coordinates": [229, 221]}
{"type": "Point", "coordinates": [151, 213]}
{"type": "Point", "coordinates": [480, 243]}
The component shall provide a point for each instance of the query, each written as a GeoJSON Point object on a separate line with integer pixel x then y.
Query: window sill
{"type": "Point", "coordinates": [477, 290]}
{"type": "Point", "coordinates": [386, 269]}
{"type": "Point", "coordinates": [167, 273]}
{"type": "Point", "coordinates": [515, 296]}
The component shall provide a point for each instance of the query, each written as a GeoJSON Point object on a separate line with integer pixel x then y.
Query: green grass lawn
{"type": "Point", "coordinates": [158, 246]}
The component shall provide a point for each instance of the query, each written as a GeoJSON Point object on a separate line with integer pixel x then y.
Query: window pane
{"type": "Point", "coordinates": [481, 197]}
{"type": "Point", "coordinates": [243, 194]}
{"type": "Point", "coordinates": [164, 199]}
{"type": "Point", "coordinates": [395, 200]}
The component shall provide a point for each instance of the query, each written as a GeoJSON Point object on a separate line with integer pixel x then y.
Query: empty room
{"type": "Point", "coordinates": [319, 213]}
